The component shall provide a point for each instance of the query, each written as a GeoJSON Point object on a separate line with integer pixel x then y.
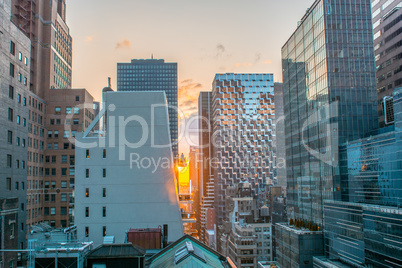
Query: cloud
{"type": "Point", "coordinates": [188, 96]}
{"type": "Point", "coordinates": [89, 38]}
{"type": "Point", "coordinates": [124, 44]}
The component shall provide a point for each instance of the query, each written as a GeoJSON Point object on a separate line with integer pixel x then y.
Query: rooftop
{"type": "Point", "coordinates": [116, 251]}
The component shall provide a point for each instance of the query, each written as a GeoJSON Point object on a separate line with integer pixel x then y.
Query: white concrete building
{"type": "Point", "coordinates": [125, 179]}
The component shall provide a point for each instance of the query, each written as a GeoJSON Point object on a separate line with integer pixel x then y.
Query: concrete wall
{"type": "Point", "coordinates": [140, 196]}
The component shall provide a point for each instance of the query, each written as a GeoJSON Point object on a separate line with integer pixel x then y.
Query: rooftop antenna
{"type": "Point", "coordinates": [152, 56]}
{"type": "Point", "coordinates": [108, 81]}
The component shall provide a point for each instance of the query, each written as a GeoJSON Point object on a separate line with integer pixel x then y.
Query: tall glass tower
{"type": "Point", "coordinates": [329, 90]}
{"type": "Point", "coordinates": [153, 75]}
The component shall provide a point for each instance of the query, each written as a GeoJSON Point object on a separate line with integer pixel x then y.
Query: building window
{"type": "Point", "coordinates": [76, 121]}
{"type": "Point", "coordinates": [104, 172]}
{"type": "Point", "coordinates": [10, 115]}
{"type": "Point", "coordinates": [19, 77]}
{"type": "Point", "coordinates": [64, 172]}
{"type": "Point", "coordinates": [9, 160]}
{"type": "Point", "coordinates": [46, 198]}
{"type": "Point", "coordinates": [57, 110]}
{"type": "Point", "coordinates": [104, 153]}
{"type": "Point", "coordinates": [66, 134]}
{"type": "Point", "coordinates": [10, 137]}
{"type": "Point", "coordinates": [17, 185]}
{"type": "Point", "coordinates": [54, 158]}
{"type": "Point", "coordinates": [12, 48]}
{"type": "Point", "coordinates": [64, 158]}
{"type": "Point", "coordinates": [68, 110]}
{"type": "Point", "coordinates": [104, 192]}
{"type": "Point", "coordinates": [26, 61]}
{"type": "Point", "coordinates": [63, 184]}
{"type": "Point", "coordinates": [104, 231]}
{"type": "Point", "coordinates": [66, 145]}
{"type": "Point", "coordinates": [12, 70]}
{"type": "Point", "coordinates": [25, 81]}
{"type": "Point", "coordinates": [12, 230]}
{"type": "Point", "coordinates": [56, 146]}
{"type": "Point", "coordinates": [76, 110]}
{"type": "Point", "coordinates": [104, 212]}
{"type": "Point", "coordinates": [18, 120]}
{"type": "Point", "coordinates": [53, 211]}
{"type": "Point", "coordinates": [20, 56]}
{"type": "Point", "coordinates": [63, 210]}
{"type": "Point", "coordinates": [86, 192]}
{"type": "Point", "coordinates": [86, 231]}
{"type": "Point", "coordinates": [72, 160]}
{"type": "Point", "coordinates": [8, 184]}
{"type": "Point", "coordinates": [86, 211]}
{"type": "Point", "coordinates": [87, 173]}
{"type": "Point", "coordinates": [11, 92]}
{"type": "Point", "coordinates": [53, 198]}
{"type": "Point", "coordinates": [56, 133]}
{"type": "Point", "coordinates": [87, 153]}
{"type": "Point", "coordinates": [77, 98]}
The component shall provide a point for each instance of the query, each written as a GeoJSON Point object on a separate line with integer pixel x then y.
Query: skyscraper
{"type": "Point", "coordinates": [153, 75]}
{"type": "Point", "coordinates": [243, 117]}
{"type": "Point", "coordinates": [115, 189]}
{"type": "Point", "coordinates": [14, 63]}
{"type": "Point", "coordinates": [204, 159]}
{"type": "Point", "coordinates": [329, 98]}
{"type": "Point", "coordinates": [44, 22]}
{"type": "Point", "coordinates": [280, 136]}
{"type": "Point", "coordinates": [387, 17]}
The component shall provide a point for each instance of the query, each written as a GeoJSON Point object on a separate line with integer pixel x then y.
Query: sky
{"type": "Point", "coordinates": [204, 37]}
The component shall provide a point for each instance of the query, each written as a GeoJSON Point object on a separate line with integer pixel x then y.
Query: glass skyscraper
{"type": "Point", "coordinates": [243, 124]}
{"type": "Point", "coordinates": [153, 75]}
{"type": "Point", "coordinates": [329, 98]}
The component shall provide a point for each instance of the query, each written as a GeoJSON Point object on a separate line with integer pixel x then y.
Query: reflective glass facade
{"type": "Point", "coordinates": [329, 98]}
{"type": "Point", "coordinates": [153, 75]}
{"type": "Point", "coordinates": [243, 116]}
{"type": "Point", "coordinates": [387, 29]}
{"type": "Point", "coordinates": [362, 235]}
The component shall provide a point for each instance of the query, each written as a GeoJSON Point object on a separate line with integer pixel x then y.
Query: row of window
{"type": "Point", "coordinates": [87, 212]}
{"type": "Point", "coordinates": [18, 163]}
{"type": "Point", "coordinates": [63, 171]}
{"type": "Point", "coordinates": [52, 211]}
{"type": "Point", "coordinates": [17, 185]}
{"type": "Point", "coordinates": [64, 159]}
{"type": "Point", "coordinates": [87, 231]}
{"type": "Point", "coordinates": [55, 134]}
{"type": "Point", "coordinates": [55, 146]}
{"type": "Point", "coordinates": [87, 192]}
{"type": "Point", "coordinates": [76, 110]}
{"type": "Point", "coordinates": [103, 153]}
{"type": "Point", "coordinates": [18, 140]}
{"type": "Point", "coordinates": [19, 119]}
{"type": "Point", "coordinates": [20, 56]}
{"type": "Point", "coordinates": [87, 173]}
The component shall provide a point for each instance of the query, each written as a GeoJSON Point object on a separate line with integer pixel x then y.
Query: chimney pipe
{"type": "Point", "coordinates": [108, 80]}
